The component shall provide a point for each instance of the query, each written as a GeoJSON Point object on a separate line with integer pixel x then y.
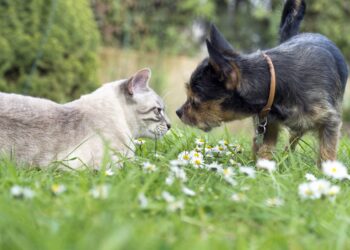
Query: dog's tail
{"type": "Point", "coordinates": [292, 15]}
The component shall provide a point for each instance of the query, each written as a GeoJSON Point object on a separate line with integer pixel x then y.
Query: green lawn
{"type": "Point", "coordinates": [211, 219]}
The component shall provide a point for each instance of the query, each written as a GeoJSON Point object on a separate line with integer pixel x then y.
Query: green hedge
{"type": "Point", "coordinates": [48, 48]}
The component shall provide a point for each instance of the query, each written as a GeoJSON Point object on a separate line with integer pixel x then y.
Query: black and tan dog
{"type": "Point", "coordinates": [303, 80]}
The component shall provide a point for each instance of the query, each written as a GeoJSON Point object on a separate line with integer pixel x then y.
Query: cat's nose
{"type": "Point", "coordinates": [179, 113]}
{"type": "Point", "coordinates": [168, 125]}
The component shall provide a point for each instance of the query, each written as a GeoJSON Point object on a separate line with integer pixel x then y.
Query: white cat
{"type": "Point", "coordinates": [38, 132]}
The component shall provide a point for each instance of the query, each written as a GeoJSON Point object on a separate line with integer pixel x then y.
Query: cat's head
{"type": "Point", "coordinates": [148, 107]}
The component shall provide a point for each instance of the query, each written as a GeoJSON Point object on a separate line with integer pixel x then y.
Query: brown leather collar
{"type": "Point", "coordinates": [265, 111]}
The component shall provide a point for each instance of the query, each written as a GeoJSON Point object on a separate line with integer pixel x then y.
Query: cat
{"type": "Point", "coordinates": [37, 132]}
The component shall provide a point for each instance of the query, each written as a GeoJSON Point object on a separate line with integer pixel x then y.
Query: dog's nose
{"type": "Point", "coordinates": [168, 125]}
{"type": "Point", "coordinates": [179, 113]}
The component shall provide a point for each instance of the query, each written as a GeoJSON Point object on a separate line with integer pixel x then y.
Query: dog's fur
{"type": "Point", "coordinates": [311, 74]}
{"type": "Point", "coordinates": [37, 131]}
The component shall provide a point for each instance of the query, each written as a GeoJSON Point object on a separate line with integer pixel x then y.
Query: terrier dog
{"type": "Point", "coordinates": [299, 84]}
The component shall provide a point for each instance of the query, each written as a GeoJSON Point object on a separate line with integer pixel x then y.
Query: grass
{"type": "Point", "coordinates": [209, 220]}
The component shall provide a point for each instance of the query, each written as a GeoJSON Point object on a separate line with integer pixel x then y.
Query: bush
{"type": "Point", "coordinates": [48, 48]}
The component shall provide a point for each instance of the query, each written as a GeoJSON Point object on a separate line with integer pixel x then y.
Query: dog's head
{"type": "Point", "coordinates": [211, 87]}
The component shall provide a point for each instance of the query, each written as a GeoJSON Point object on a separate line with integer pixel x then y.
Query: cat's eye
{"type": "Point", "coordinates": [158, 110]}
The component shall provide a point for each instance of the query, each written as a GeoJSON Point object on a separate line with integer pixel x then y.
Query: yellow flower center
{"type": "Point", "coordinates": [197, 162]}
{"type": "Point", "coordinates": [334, 170]}
{"type": "Point", "coordinates": [186, 157]}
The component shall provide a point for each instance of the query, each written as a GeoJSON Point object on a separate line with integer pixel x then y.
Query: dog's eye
{"type": "Point", "coordinates": [194, 103]}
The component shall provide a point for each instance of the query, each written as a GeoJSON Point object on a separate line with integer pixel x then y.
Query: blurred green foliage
{"type": "Point", "coordinates": [48, 48]}
{"type": "Point", "coordinates": [152, 24]}
{"type": "Point", "coordinates": [249, 25]}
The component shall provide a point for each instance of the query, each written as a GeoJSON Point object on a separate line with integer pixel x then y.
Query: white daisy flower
{"type": "Point", "coordinates": [196, 154]}
{"type": "Point", "coordinates": [58, 189]}
{"type": "Point", "coordinates": [266, 164]}
{"type": "Point", "coordinates": [227, 172]}
{"type": "Point", "coordinates": [333, 191]}
{"type": "Point", "coordinates": [22, 192]}
{"type": "Point", "coordinates": [176, 205]}
{"type": "Point", "coordinates": [238, 197]}
{"type": "Point", "coordinates": [179, 173]}
{"type": "Point", "coordinates": [143, 201]}
{"type": "Point", "coordinates": [310, 177]}
{"type": "Point", "coordinates": [214, 166]}
{"type": "Point", "coordinates": [306, 192]}
{"type": "Point", "coordinates": [149, 167]}
{"type": "Point", "coordinates": [184, 156]}
{"type": "Point", "coordinates": [274, 202]}
{"type": "Point", "coordinates": [228, 153]}
{"type": "Point", "coordinates": [16, 191]}
{"type": "Point", "coordinates": [223, 143]}
{"type": "Point", "coordinates": [219, 149]}
{"type": "Point", "coordinates": [139, 141]}
{"type": "Point", "coordinates": [109, 172]}
{"type": "Point", "coordinates": [248, 171]}
{"type": "Point", "coordinates": [335, 169]}
{"type": "Point", "coordinates": [197, 162]}
{"type": "Point", "coordinates": [199, 142]}
{"type": "Point", "coordinates": [100, 192]}
{"type": "Point", "coordinates": [169, 180]}
{"type": "Point", "coordinates": [320, 186]}
{"type": "Point", "coordinates": [230, 180]}
{"type": "Point", "coordinates": [188, 191]}
{"type": "Point", "coordinates": [208, 150]}
{"type": "Point", "coordinates": [28, 193]}
{"type": "Point", "coordinates": [168, 197]}
{"type": "Point", "coordinates": [178, 162]}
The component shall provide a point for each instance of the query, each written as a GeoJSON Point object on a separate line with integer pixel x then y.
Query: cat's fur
{"type": "Point", "coordinates": [38, 132]}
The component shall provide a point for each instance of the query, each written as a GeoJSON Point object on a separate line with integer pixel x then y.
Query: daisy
{"type": "Point", "coordinates": [143, 201]}
{"type": "Point", "coordinates": [335, 169]}
{"type": "Point", "coordinates": [238, 197]}
{"type": "Point", "coordinates": [188, 191]}
{"type": "Point", "coordinates": [177, 163]}
{"type": "Point", "coordinates": [208, 150]}
{"type": "Point", "coordinates": [320, 186]}
{"type": "Point", "coordinates": [168, 197]}
{"type": "Point", "coordinates": [197, 162]}
{"type": "Point", "coordinates": [333, 191]}
{"type": "Point", "coordinates": [22, 192]}
{"type": "Point", "coordinates": [169, 180]}
{"type": "Point", "coordinates": [214, 166]}
{"type": "Point", "coordinates": [219, 149]}
{"type": "Point", "coordinates": [28, 193]}
{"type": "Point", "coordinates": [227, 172]}
{"type": "Point", "coordinates": [58, 189]}
{"type": "Point", "coordinates": [149, 167]}
{"type": "Point", "coordinates": [266, 164]}
{"type": "Point", "coordinates": [16, 191]}
{"type": "Point", "coordinates": [231, 181]}
{"type": "Point", "coordinates": [184, 156]}
{"type": "Point", "coordinates": [179, 173]}
{"type": "Point", "coordinates": [199, 142]}
{"type": "Point", "coordinates": [195, 154]}
{"type": "Point", "coordinates": [310, 177]}
{"type": "Point", "coordinates": [306, 192]}
{"type": "Point", "coordinates": [176, 205]}
{"type": "Point", "coordinates": [274, 202]}
{"type": "Point", "coordinates": [139, 141]}
{"type": "Point", "coordinates": [223, 143]}
{"type": "Point", "coordinates": [249, 171]}
{"type": "Point", "coordinates": [109, 172]}
{"type": "Point", "coordinates": [100, 192]}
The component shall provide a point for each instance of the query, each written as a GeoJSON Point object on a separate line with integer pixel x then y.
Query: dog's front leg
{"type": "Point", "coordinates": [265, 149]}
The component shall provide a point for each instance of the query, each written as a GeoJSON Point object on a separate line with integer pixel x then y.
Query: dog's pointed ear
{"type": "Point", "coordinates": [139, 82]}
{"type": "Point", "coordinates": [218, 40]}
{"type": "Point", "coordinates": [223, 66]}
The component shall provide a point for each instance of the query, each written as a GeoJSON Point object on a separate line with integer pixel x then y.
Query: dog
{"type": "Point", "coordinates": [298, 84]}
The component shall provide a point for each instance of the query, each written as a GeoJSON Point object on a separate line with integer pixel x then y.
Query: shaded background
{"type": "Point", "coordinates": [61, 49]}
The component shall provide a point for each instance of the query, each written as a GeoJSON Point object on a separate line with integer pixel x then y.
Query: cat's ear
{"type": "Point", "coordinates": [139, 82]}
